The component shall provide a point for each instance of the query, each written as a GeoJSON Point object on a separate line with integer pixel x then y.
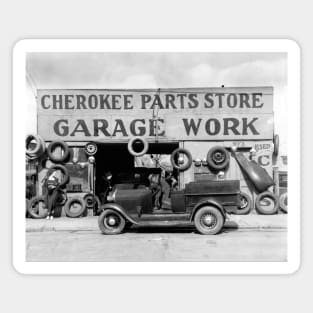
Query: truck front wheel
{"type": "Point", "coordinates": [111, 222]}
{"type": "Point", "coordinates": [209, 220]}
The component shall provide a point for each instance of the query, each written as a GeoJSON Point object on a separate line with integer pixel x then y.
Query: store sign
{"type": "Point", "coordinates": [180, 114]}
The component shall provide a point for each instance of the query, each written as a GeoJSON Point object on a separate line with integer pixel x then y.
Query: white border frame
{"type": "Point", "coordinates": [156, 45]}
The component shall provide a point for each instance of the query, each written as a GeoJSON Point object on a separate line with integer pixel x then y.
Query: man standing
{"type": "Point", "coordinates": [51, 182]}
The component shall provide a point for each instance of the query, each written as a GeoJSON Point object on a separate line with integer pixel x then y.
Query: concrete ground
{"type": "Point", "coordinates": [244, 238]}
{"type": "Point", "coordinates": [251, 221]}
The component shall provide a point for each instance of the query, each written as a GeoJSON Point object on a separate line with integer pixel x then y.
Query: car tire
{"type": "Point", "coordinates": [65, 148]}
{"type": "Point", "coordinates": [91, 200]}
{"type": "Point", "coordinates": [143, 141]}
{"type": "Point", "coordinates": [111, 222]}
{"type": "Point", "coordinates": [262, 209]}
{"type": "Point", "coordinates": [66, 177]}
{"type": "Point", "coordinates": [182, 167]}
{"type": "Point", "coordinates": [209, 220]}
{"type": "Point", "coordinates": [36, 213]}
{"type": "Point", "coordinates": [68, 207]}
{"type": "Point", "coordinates": [245, 204]}
{"type": "Point", "coordinates": [283, 202]}
{"type": "Point", "coordinates": [218, 158]}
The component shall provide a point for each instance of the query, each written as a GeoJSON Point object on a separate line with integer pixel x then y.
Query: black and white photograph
{"type": "Point", "coordinates": [164, 157]}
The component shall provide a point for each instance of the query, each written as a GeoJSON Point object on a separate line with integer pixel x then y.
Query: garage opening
{"type": "Point", "coordinates": [149, 170]}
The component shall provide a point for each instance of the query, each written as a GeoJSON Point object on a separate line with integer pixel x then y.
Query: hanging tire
{"type": "Point", "coordinates": [64, 147]}
{"type": "Point", "coordinates": [269, 208]}
{"type": "Point", "coordinates": [111, 222]}
{"type": "Point", "coordinates": [75, 207]}
{"type": "Point", "coordinates": [245, 204]}
{"type": "Point", "coordinates": [175, 156]}
{"type": "Point", "coordinates": [218, 158]}
{"type": "Point", "coordinates": [38, 150]}
{"type": "Point", "coordinates": [209, 220]}
{"type": "Point", "coordinates": [91, 148]}
{"type": "Point", "coordinates": [63, 169]}
{"type": "Point", "coordinates": [135, 140]}
{"type": "Point", "coordinates": [283, 202]}
{"type": "Point", "coordinates": [37, 207]}
{"type": "Point", "coordinates": [276, 145]}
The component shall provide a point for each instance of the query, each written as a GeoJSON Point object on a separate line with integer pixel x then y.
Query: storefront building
{"type": "Point", "coordinates": [196, 119]}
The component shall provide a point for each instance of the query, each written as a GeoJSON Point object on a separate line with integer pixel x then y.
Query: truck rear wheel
{"type": "Point", "coordinates": [245, 204]}
{"type": "Point", "coordinates": [111, 222]}
{"type": "Point", "coordinates": [209, 220]}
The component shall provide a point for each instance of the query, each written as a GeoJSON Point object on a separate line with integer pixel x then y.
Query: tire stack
{"type": "Point", "coordinates": [35, 147]}
{"type": "Point", "coordinates": [36, 206]}
{"type": "Point", "coordinates": [75, 206]}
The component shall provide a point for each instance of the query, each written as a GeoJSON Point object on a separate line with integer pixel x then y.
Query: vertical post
{"type": "Point", "coordinates": [276, 180]}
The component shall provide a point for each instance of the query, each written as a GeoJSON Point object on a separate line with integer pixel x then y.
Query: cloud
{"type": "Point", "coordinates": [136, 81]}
{"type": "Point", "coordinates": [257, 73]}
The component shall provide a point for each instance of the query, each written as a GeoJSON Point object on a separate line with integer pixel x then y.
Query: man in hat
{"type": "Point", "coordinates": [52, 186]}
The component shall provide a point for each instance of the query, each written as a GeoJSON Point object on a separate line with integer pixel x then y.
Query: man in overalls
{"type": "Point", "coordinates": [52, 185]}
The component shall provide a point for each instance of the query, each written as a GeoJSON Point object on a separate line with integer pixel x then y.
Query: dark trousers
{"type": "Point", "coordinates": [51, 197]}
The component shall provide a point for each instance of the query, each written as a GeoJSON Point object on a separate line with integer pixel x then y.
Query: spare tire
{"type": "Point", "coordinates": [37, 212]}
{"type": "Point", "coordinates": [64, 147]}
{"type": "Point", "coordinates": [267, 209]}
{"type": "Point", "coordinates": [245, 204]}
{"type": "Point", "coordinates": [218, 158]}
{"type": "Point", "coordinates": [63, 169]}
{"type": "Point", "coordinates": [78, 211]}
{"type": "Point", "coordinates": [91, 148]}
{"type": "Point", "coordinates": [181, 167]}
{"type": "Point", "coordinates": [134, 140]}
{"type": "Point", "coordinates": [283, 202]}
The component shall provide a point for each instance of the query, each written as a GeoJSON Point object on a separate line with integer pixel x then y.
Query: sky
{"type": "Point", "coordinates": [159, 70]}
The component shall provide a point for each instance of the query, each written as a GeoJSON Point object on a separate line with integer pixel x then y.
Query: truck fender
{"type": "Point", "coordinates": [205, 202]}
{"type": "Point", "coordinates": [119, 209]}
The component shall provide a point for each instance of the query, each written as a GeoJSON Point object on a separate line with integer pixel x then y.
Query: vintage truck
{"type": "Point", "coordinates": [203, 204]}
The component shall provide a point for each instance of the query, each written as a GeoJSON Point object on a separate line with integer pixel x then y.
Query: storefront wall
{"type": "Point", "coordinates": [197, 119]}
